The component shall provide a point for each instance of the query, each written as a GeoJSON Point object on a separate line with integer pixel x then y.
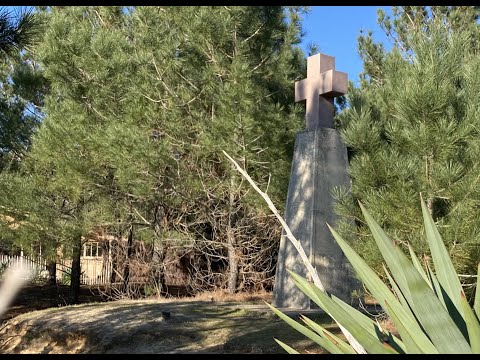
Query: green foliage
{"type": "Point", "coordinates": [17, 31]}
{"type": "Point", "coordinates": [23, 87]}
{"type": "Point", "coordinates": [428, 308]}
{"type": "Point", "coordinates": [19, 79]}
{"type": "Point", "coordinates": [67, 277]}
{"type": "Point", "coordinates": [3, 267]}
{"type": "Point", "coordinates": [135, 118]}
{"type": "Point", "coordinates": [22, 93]}
{"type": "Point", "coordinates": [412, 127]}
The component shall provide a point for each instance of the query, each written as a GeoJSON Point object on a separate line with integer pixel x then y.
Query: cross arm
{"type": "Point", "coordinates": [301, 89]}
{"type": "Point", "coordinates": [330, 83]}
{"type": "Point", "coordinates": [333, 83]}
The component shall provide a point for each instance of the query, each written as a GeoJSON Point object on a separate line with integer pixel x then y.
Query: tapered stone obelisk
{"type": "Point", "coordinates": [319, 164]}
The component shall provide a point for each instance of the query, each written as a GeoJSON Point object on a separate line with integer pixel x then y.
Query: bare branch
{"type": "Point", "coordinates": [255, 33]}
{"type": "Point", "coordinates": [312, 271]}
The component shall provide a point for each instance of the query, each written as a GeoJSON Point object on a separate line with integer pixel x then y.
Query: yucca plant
{"type": "Point", "coordinates": [427, 307]}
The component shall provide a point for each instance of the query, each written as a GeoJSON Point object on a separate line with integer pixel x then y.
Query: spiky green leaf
{"type": "Point", "coordinates": [433, 316]}
{"type": "Point", "coordinates": [371, 344]}
{"type": "Point", "coordinates": [444, 268]}
{"type": "Point", "coordinates": [287, 348]}
{"type": "Point", "coordinates": [387, 248]}
{"type": "Point", "coordinates": [473, 325]}
{"type": "Point", "coordinates": [436, 286]}
{"type": "Point", "coordinates": [448, 304]}
{"type": "Point", "coordinates": [342, 345]}
{"type": "Point", "coordinates": [397, 291]}
{"type": "Point", "coordinates": [327, 345]}
{"type": "Point", "coordinates": [371, 326]}
{"type": "Point", "coordinates": [418, 265]}
{"type": "Point", "coordinates": [381, 292]}
{"type": "Point", "coordinates": [408, 337]}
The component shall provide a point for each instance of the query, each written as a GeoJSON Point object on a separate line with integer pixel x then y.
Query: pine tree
{"type": "Point", "coordinates": [412, 127]}
{"type": "Point", "coordinates": [230, 73]}
{"type": "Point", "coordinates": [68, 153]}
{"type": "Point", "coordinates": [142, 102]}
{"type": "Point", "coordinates": [21, 99]}
{"type": "Point", "coordinates": [17, 31]}
{"type": "Point", "coordinates": [21, 83]}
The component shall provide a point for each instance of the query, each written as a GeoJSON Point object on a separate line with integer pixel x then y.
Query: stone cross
{"type": "Point", "coordinates": [319, 164]}
{"type": "Point", "coordinates": [320, 87]}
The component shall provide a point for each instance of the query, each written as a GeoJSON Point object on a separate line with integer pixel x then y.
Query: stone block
{"type": "Point", "coordinates": [319, 164]}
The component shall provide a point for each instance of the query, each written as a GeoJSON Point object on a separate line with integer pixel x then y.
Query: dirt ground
{"type": "Point", "coordinates": [37, 297]}
{"type": "Point", "coordinates": [211, 323]}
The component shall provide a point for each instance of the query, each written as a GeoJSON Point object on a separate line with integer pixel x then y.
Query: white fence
{"type": "Point", "coordinates": [34, 265]}
{"type": "Point", "coordinates": [95, 271]}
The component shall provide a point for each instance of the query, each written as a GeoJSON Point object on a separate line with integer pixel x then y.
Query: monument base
{"type": "Point", "coordinates": [319, 164]}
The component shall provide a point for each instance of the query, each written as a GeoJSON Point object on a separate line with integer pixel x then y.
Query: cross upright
{"type": "Point", "coordinates": [319, 89]}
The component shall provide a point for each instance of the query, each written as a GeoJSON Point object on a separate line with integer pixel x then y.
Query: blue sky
{"type": "Point", "coordinates": [335, 30]}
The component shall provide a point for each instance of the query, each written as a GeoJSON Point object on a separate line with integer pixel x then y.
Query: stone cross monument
{"type": "Point", "coordinates": [319, 164]}
{"type": "Point", "coordinates": [322, 84]}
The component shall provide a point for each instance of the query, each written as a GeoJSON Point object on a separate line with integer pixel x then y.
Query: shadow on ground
{"type": "Point", "coordinates": [152, 326]}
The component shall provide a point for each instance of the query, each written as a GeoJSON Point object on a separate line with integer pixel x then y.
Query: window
{"type": "Point", "coordinates": [92, 249]}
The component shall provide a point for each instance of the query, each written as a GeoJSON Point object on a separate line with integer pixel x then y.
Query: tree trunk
{"type": "Point", "coordinates": [428, 172]}
{"type": "Point", "coordinates": [126, 269]}
{"type": "Point", "coordinates": [76, 271]}
{"type": "Point", "coordinates": [157, 268]}
{"type": "Point", "coordinates": [430, 205]}
{"type": "Point", "coordinates": [232, 262]}
{"type": "Point", "coordinates": [231, 248]}
{"type": "Point", "coordinates": [112, 253]}
{"type": "Point", "coordinates": [52, 272]}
